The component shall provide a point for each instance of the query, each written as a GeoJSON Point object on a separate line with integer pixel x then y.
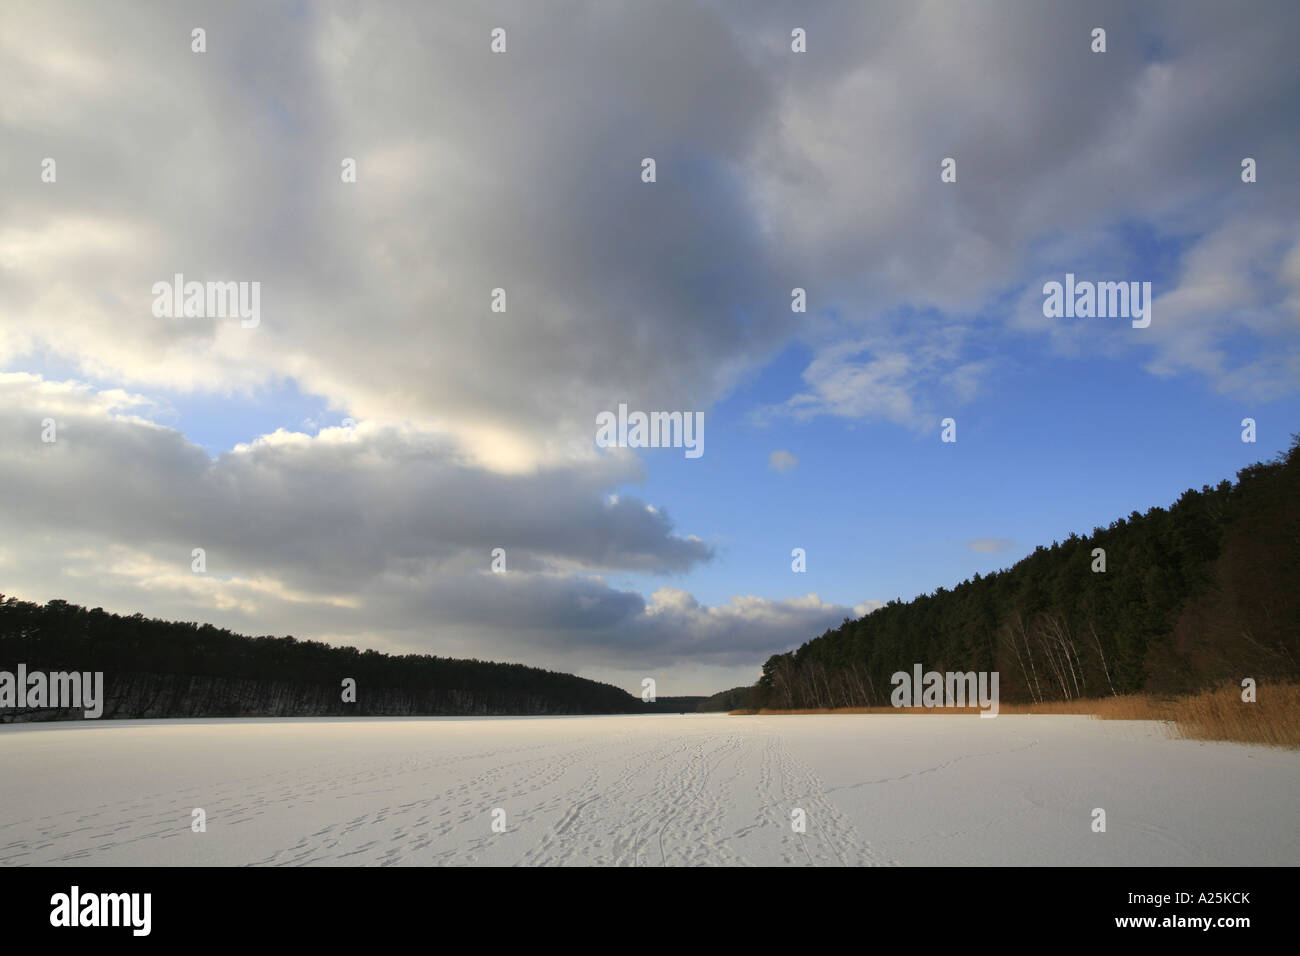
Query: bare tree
{"type": "Point", "coordinates": [1058, 629]}
{"type": "Point", "coordinates": [1011, 634]}
{"type": "Point", "coordinates": [1102, 654]}
{"type": "Point", "coordinates": [1045, 641]}
{"type": "Point", "coordinates": [1019, 628]}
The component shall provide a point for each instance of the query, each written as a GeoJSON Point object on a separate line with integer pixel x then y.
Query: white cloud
{"type": "Point", "coordinates": [990, 545]}
{"type": "Point", "coordinates": [782, 461]}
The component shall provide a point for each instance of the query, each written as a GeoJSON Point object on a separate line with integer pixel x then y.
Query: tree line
{"type": "Point", "coordinates": [212, 671]}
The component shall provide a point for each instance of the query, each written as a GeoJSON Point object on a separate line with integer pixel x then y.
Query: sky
{"type": "Point", "coordinates": [350, 461]}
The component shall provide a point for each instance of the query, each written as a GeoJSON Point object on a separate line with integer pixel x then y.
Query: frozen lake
{"type": "Point", "coordinates": [647, 791]}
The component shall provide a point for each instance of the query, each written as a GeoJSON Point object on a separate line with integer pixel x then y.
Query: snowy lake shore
{"type": "Point", "coordinates": [698, 789]}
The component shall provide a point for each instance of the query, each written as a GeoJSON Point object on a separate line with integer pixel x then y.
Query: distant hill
{"type": "Point", "coordinates": [155, 668]}
{"type": "Point", "coordinates": [1204, 592]}
{"type": "Point", "coordinates": [738, 698]}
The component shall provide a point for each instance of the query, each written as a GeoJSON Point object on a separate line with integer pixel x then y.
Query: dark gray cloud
{"type": "Point", "coordinates": [324, 512]}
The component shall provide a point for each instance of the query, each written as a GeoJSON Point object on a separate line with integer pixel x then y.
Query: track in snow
{"type": "Point", "coordinates": [640, 791]}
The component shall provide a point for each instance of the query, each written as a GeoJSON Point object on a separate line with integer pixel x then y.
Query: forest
{"type": "Point", "coordinates": [1177, 600]}
{"type": "Point", "coordinates": [157, 668]}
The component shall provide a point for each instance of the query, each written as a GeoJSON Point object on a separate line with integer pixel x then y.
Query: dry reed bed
{"type": "Point", "coordinates": [1273, 719]}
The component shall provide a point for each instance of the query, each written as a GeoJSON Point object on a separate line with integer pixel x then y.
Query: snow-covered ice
{"type": "Point", "coordinates": [648, 791]}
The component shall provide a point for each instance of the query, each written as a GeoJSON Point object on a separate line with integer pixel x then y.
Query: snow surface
{"type": "Point", "coordinates": [653, 790]}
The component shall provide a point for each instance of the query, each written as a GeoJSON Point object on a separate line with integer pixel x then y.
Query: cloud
{"type": "Point", "coordinates": [1147, 157]}
{"type": "Point", "coordinates": [370, 535]}
{"type": "Point", "coordinates": [344, 505]}
{"type": "Point", "coordinates": [376, 295]}
{"type": "Point", "coordinates": [990, 545]}
{"type": "Point", "coordinates": [782, 461]}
